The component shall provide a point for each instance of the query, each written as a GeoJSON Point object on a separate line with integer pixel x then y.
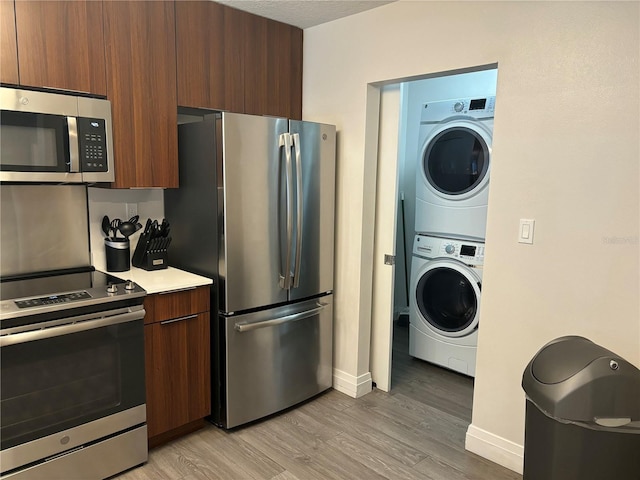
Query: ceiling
{"type": "Point", "coordinates": [304, 13]}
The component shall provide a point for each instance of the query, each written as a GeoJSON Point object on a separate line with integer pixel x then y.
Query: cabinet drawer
{"type": "Point", "coordinates": [170, 305]}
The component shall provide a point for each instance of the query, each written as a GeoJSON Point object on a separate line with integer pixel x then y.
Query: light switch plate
{"type": "Point", "coordinates": [525, 234]}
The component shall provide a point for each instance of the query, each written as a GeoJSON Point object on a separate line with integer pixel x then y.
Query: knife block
{"type": "Point", "coordinates": [150, 254]}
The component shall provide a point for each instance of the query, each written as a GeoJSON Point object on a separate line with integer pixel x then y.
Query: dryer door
{"type": "Point", "coordinates": [455, 160]}
{"type": "Point", "coordinates": [448, 297]}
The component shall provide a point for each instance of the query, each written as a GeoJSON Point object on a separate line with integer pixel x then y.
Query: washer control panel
{"type": "Point", "coordinates": [471, 253]}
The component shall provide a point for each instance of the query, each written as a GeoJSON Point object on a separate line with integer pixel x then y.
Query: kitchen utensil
{"type": "Point", "coordinates": [147, 227]}
{"type": "Point", "coordinates": [115, 223]}
{"type": "Point", "coordinates": [106, 225]}
{"type": "Point", "coordinates": [134, 219]}
{"type": "Point", "coordinates": [127, 229]}
{"type": "Point", "coordinates": [164, 228]}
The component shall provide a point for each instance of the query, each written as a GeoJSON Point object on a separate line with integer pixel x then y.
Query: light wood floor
{"type": "Point", "coordinates": [414, 432]}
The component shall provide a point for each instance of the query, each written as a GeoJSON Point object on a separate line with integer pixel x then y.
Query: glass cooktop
{"type": "Point", "coordinates": [58, 291]}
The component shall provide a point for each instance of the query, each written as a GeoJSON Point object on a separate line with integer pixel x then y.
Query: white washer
{"type": "Point", "coordinates": [454, 159]}
{"type": "Point", "coordinates": [446, 279]}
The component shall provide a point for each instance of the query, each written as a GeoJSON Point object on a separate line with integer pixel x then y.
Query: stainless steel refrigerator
{"type": "Point", "coordinates": [255, 211]}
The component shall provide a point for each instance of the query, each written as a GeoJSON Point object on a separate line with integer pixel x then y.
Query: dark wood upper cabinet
{"type": "Point", "coordinates": [209, 48]}
{"type": "Point", "coordinates": [235, 61]}
{"type": "Point", "coordinates": [140, 46]}
{"type": "Point", "coordinates": [60, 45]}
{"type": "Point", "coordinates": [8, 46]}
{"type": "Point", "coordinates": [273, 69]}
{"type": "Point", "coordinates": [295, 98]}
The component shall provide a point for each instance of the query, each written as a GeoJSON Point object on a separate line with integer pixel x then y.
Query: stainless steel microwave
{"type": "Point", "coordinates": [53, 137]}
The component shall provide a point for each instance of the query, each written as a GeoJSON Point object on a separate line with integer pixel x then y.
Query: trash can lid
{"type": "Point", "coordinates": [563, 359]}
{"type": "Point", "coordinates": [574, 379]}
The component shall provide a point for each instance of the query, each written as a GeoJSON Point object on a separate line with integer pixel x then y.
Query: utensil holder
{"type": "Point", "coordinates": [151, 253]}
{"type": "Point", "coordinates": [118, 254]}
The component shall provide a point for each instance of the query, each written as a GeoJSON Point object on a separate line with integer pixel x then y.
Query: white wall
{"type": "Point", "coordinates": [415, 94]}
{"type": "Point", "coordinates": [565, 152]}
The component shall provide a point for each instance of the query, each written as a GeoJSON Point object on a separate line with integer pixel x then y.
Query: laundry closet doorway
{"type": "Point", "coordinates": [393, 120]}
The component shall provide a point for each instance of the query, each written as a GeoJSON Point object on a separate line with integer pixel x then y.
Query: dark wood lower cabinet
{"type": "Point", "coordinates": [178, 371]}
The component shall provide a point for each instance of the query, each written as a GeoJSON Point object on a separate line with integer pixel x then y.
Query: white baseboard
{"type": "Point", "coordinates": [497, 449]}
{"type": "Point", "coordinates": [350, 385]}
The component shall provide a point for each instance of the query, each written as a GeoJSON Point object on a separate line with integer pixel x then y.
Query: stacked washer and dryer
{"type": "Point", "coordinates": [452, 192]}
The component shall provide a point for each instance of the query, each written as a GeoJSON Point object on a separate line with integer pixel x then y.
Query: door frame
{"type": "Point", "coordinates": [376, 186]}
{"type": "Point", "coordinates": [387, 178]}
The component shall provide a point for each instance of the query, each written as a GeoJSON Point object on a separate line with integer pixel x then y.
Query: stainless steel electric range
{"type": "Point", "coordinates": [72, 393]}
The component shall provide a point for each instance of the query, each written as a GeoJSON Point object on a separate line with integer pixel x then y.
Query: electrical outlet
{"type": "Point", "coordinates": [132, 210]}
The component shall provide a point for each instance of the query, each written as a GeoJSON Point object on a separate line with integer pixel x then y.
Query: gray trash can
{"type": "Point", "coordinates": [582, 413]}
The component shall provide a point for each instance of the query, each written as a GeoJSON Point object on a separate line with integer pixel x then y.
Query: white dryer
{"type": "Point", "coordinates": [454, 159]}
{"type": "Point", "coordinates": [446, 280]}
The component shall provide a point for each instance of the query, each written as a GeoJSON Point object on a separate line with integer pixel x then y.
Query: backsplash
{"type": "Point", "coordinates": [113, 203]}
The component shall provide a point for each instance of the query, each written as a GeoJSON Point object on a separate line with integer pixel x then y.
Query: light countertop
{"type": "Point", "coordinates": [164, 280]}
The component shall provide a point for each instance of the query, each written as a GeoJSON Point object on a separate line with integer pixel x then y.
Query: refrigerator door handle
{"type": "Point", "coordinates": [285, 141]}
{"type": "Point", "coordinates": [246, 327]}
{"type": "Point", "coordinates": [300, 210]}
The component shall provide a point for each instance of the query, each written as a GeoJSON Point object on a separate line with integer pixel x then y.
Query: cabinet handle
{"type": "Point", "coordinates": [173, 320]}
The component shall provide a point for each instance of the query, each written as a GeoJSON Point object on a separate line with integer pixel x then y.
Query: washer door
{"type": "Point", "coordinates": [455, 161]}
{"type": "Point", "coordinates": [448, 297]}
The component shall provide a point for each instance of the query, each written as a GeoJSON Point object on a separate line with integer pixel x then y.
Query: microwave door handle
{"type": "Point", "coordinates": [74, 152]}
{"type": "Point", "coordinates": [300, 210]}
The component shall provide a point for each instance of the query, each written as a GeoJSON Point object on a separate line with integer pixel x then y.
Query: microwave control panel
{"type": "Point", "coordinates": [92, 140]}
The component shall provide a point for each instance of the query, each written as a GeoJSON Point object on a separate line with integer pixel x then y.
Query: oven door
{"type": "Point", "coordinates": [66, 383]}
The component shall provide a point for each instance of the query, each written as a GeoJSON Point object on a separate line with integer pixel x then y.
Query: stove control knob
{"type": "Point", "coordinates": [113, 288]}
{"type": "Point", "coordinates": [129, 285]}
{"type": "Point", "coordinates": [450, 249]}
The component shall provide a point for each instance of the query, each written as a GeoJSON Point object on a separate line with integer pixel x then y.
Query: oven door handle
{"type": "Point", "coordinates": [71, 325]}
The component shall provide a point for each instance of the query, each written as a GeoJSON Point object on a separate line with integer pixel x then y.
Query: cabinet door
{"type": "Point", "coordinates": [209, 49]}
{"type": "Point", "coordinates": [8, 46]}
{"type": "Point", "coordinates": [60, 45]}
{"type": "Point", "coordinates": [273, 69]}
{"type": "Point", "coordinates": [178, 372]}
{"type": "Point", "coordinates": [141, 84]}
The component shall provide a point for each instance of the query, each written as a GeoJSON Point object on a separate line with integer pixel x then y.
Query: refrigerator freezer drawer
{"type": "Point", "coordinates": [277, 358]}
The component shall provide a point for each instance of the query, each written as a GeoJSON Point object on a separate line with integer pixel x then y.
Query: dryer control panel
{"type": "Point", "coordinates": [471, 253]}
{"type": "Point", "coordinates": [477, 107]}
